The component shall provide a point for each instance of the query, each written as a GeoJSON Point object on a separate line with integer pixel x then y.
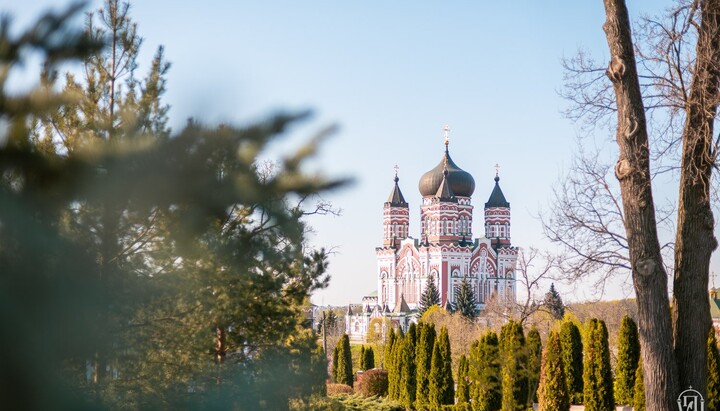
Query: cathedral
{"type": "Point", "coordinates": [445, 251]}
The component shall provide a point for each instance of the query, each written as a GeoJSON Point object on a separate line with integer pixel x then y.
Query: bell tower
{"type": "Point", "coordinates": [396, 216]}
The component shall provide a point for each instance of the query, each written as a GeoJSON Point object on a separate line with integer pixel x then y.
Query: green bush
{"type": "Point", "coordinates": [373, 383]}
{"type": "Point", "coordinates": [357, 402]}
{"type": "Point", "coordinates": [335, 389]}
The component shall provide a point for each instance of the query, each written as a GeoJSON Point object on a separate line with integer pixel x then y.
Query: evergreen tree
{"type": "Point", "coordinates": [534, 349]}
{"type": "Point", "coordinates": [335, 362]}
{"type": "Point", "coordinates": [484, 373]}
{"type": "Point", "coordinates": [387, 357]}
{"type": "Point", "coordinates": [713, 384]}
{"type": "Point", "coordinates": [514, 364]}
{"type": "Point", "coordinates": [362, 357]}
{"type": "Point", "coordinates": [344, 368]}
{"type": "Point", "coordinates": [553, 393]}
{"type": "Point", "coordinates": [393, 367]}
{"type": "Point", "coordinates": [597, 375]}
{"type": "Point", "coordinates": [368, 359]}
{"type": "Point", "coordinates": [463, 383]}
{"type": "Point", "coordinates": [407, 387]}
{"type": "Point", "coordinates": [465, 300]}
{"type": "Point", "coordinates": [423, 359]}
{"type": "Point", "coordinates": [572, 355]}
{"type": "Point", "coordinates": [639, 396]}
{"type": "Point", "coordinates": [145, 248]}
{"type": "Point", "coordinates": [430, 296]}
{"type": "Point", "coordinates": [627, 361]}
{"type": "Point", "coordinates": [442, 387]}
{"type": "Point", "coordinates": [554, 303]}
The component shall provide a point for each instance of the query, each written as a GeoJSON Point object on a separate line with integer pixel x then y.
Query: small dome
{"type": "Point", "coordinates": [461, 182]}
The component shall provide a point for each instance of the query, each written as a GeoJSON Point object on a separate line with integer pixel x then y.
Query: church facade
{"type": "Point", "coordinates": [446, 250]}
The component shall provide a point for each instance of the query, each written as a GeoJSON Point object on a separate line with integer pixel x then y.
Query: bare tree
{"type": "Point", "coordinates": [672, 92]}
{"type": "Point", "coordinates": [533, 267]}
{"type": "Point", "coordinates": [586, 219]}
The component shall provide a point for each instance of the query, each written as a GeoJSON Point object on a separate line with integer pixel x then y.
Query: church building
{"type": "Point", "coordinates": [445, 251]}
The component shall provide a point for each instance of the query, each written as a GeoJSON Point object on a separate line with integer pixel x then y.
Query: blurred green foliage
{"type": "Point", "coordinates": [141, 269]}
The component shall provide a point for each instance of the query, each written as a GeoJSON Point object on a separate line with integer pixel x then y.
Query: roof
{"type": "Point", "coordinates": [497, 199]}
{"type": "Point", "coordinates": [444, 192]}
{"type": "Point", "coordinates": [402, 306]}
{"type": "Point", "coordinates": [349, 310]}
{"type": "Point", "coordinates": [461, 182]}
{"type": "Point", "coordinates": [714, 304]}
{"type": "Point", "coordinates": [396, 198]}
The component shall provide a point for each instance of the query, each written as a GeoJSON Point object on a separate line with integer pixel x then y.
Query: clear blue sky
{"type": "Point", "coordinates": [390, 74]}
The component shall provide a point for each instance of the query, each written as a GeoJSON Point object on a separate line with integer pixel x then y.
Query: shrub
{"type": "Point", "coordinates": [335, 389]}
{"type": "Point", "coordinates": [373, 382]}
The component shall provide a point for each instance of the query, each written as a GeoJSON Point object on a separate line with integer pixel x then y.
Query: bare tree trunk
{"type": "Point", "coordinates": [633, 172]}
{"type": "Point", "coordinates": [695, 241]}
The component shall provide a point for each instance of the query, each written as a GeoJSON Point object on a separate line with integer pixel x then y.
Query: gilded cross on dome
{"type": "Point", "coordinates": [446, 129]}
{"type": "Point", "coordinates": [396, 168]}
{"type": "Point", "coordinates": [497, 169]}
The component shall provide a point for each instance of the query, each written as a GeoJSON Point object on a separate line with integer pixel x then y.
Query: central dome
{"type": "Point", "coordinates": [461, 182]}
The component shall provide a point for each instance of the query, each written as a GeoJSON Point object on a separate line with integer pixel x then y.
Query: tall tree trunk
{"type": "Point", "coordinates": [633, 172]}
{"type": "Point", "coordinates": [695, 241]}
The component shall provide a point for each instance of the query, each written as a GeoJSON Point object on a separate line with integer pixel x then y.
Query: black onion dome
{"type": "Point", "coordinates": [462, 184]}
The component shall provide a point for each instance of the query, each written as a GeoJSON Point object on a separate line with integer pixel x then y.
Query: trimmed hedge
{"type": "Point", "coordinates": [373, 382]}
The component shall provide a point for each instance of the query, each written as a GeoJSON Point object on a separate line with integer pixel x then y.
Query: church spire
{"type": "Point", "coordinates": [396, 198]}
{"type": "Point", "coordinates": [396, 216]}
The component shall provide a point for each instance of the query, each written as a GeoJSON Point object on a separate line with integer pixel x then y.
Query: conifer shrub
{"type": "Point", "coordinates": [513, 357]}
{"type": "Point", "coordinates": [534, 349]}
{"type": "Point", "coordinates": [639, 392]}
{"type": "Point", "coordinates": [484, 373]}
{"type": "Point", "coordinates": [423, 359]}
{"type": "Point", "coordinates": [553, 392]}
{"type": "Point", "coordinates": [344, 367]}
{"type": "Point", "coordinates": [463, 383]}
{"type": "Point", "coordinates": [368, 359]}
{"type": "Point", "coordinates": [373, 382]}
{"type": "Point", "coordinates": [442, 387]}
{"type": "Point", "coordinates": [335, 389]}
{"type": "Point", "coordinates": [407, 370]}
{"type": "Point", "coordinates": [333, 374]}
{"type": "Point", "coordinates": [627, 361]}
{"type": "Point", "coordinates": [597, 375]}
{"type": "Point", "coordinates": [713, 382]}
{"type": "Point", "coordinates": [572, 356]}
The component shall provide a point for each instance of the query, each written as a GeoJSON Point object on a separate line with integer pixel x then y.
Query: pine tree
{"type": "Point", "coordinates": [423, 359]}
{"type": "Point", "coordinates": [597, 375]}
{"type": "Point", "coordinates": [463, 383]}
{"type": "Point", "coordinates": [442, 387]}
{"type": "Point", "coordinates": [430, 296]}
{"type": "Point", "coordinates": [534, 348]}
{"type": "Point", "coordinates": [484, 373]}
{"type": "Point", "coordinates": [368, 359]}
{"type": "Point", "coordinates": [639, 396]}
{"type": "Point", "coordinates": [344, 368]}
{"type": "Point", "coordinates": [335, 362]}
{"type": "Point", "coordinates": [407, 387]}
{"type": "Point", "coordinates": [553, 393]}
{"type": "Point", "coordinates": [465, 300]}
{"type": "Point", "coordinates": [713, 384]}
{"type": "Point", "coordinates": [627, 360]}
{"type": "Point", "coordinates": [572, 355]}
{"type": "Point", "coordinates": [554, 303]}
{"type": "Point", "coordinates": [514, 363]}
